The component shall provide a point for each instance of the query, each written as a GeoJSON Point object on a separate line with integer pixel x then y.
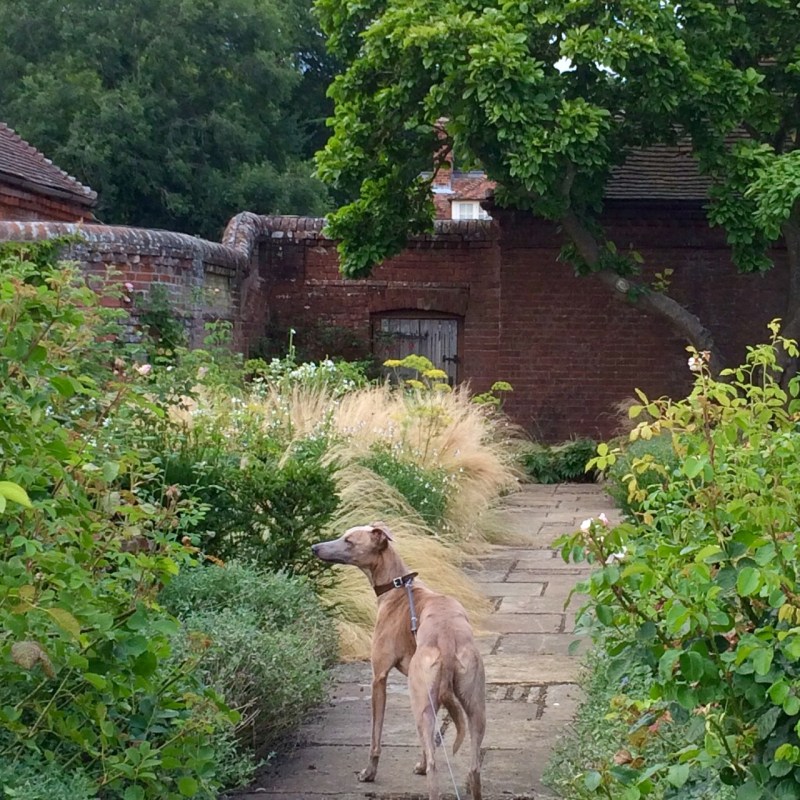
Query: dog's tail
{"type": "Point", "coordinates": [457, 715]}
{"type": "Point", "coordinates": [450, 702]}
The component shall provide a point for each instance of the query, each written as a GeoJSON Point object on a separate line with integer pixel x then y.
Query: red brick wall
{"type": "Point", "coordinates": [204, 279]}
{"type": "Point", "coordinates": [571, 350]}
{"type": "Point", "coordinates": [19, 204]}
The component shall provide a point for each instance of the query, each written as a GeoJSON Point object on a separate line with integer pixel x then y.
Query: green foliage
{"type": "Point", "coordinates": [265, 643]}
{"type": "Point", "coordinates": [276, 512]}
{"type": "Point", "coordinates": [418, 373]}
{"type": "Point", "coordinates": [197, 111]}
{"type": "Point", "coordinates": [88, 681]}
{"type": "Point", "coordinates": [426, 490]}
{"type": "Point", "coordinates": [548, 96]}
{"type": "Point", "coordinates": [560, 463]}
{"type": "Point", "coordinates": [157, 315]}
{"type": "Point", "coordinates": [604, 731]}
{"type": "Point", "coordinates": [703, 585]}
{"type": "Point", "coordinates": [30, 779]}
{"type": "Point", "coordinates": [657, 449]}
{"type": "Point", "coordinates": [494, 397]}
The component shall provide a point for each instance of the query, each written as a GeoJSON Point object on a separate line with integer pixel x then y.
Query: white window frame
{"type": "Point", "coordinates": [467, 209]}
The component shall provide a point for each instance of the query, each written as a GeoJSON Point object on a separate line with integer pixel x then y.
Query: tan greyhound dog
{"type": "Point", "coordinates": [443, 665]}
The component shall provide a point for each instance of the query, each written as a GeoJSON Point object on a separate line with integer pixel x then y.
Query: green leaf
{"type": "Point", "coordinates": [63, 385]}
{"type": "Point", "coordinates": [748, 581]}
{"type": "Point", "coordinates": [605, 614]}
{"type": "Point", "coordinates": [15, 493]}
{"type": "Point", "coordinates": [762, 660]}
{"type": "Point", "coordinates": [678, 774]}
{"type": "Point", "coordinates": [187, 786]}
{"type": "Point", "coordinates": [692, 466]}
{"type": "Point", "coordinates": [749, 791]}
{"type": "Point", "coordinates": [692, 666]}
{"type": "Point", "coordinates": [65, 620]}
{"type": "Point", "coordinates": [134, 793]}
{"type": "Point", "coordinates": [767, 721]}
{"type": "Point", "coordinates": [110, 470]}
{"type": "Point", "coordinates": [592, 780]}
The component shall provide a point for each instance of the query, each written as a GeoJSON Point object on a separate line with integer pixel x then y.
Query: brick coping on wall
{"type": "Point", "coordinates": [239, 240]}
{"type": "Point", "coordinates": [142, 240]}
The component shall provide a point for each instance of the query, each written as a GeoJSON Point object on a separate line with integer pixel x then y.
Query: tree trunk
{"type": "Point", "coordinates": [682, 320]}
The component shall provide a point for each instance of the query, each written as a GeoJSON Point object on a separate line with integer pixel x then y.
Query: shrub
{"type": "Point", "coordinates": [427, 491]}
{"type": "Point", "coordinates": [267, 643]}
{"type": "Point", "coordinates": [88, 683]}
{"type": "Point", "coordinates": [561, 463]}
{"type": "Point", "coordinates": [659, 449]}
{"type": "Point", "coordinates": [271, 513]}
{"type": "Point", "coordinates": [31, 779]}
{"type": "Point", "coordinates": [703, 585]}
{"type": "Point", "coordinates": [604, 733]}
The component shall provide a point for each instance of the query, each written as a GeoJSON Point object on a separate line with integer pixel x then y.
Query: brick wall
{"type": "Point", "coordinates": [571, 350]}
{"type": "Point", "coordinates": [204, 279]}
{"type": "Point", "coordinates": [17, 203]}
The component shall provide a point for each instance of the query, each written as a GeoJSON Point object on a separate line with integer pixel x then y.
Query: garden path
{"type": "Point", "coordinates": [531, 677]}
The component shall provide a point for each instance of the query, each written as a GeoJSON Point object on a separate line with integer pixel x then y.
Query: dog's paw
{"type": "Point", "coordinates": [366, 775]}
{"type": "Point", "coordinates": [420, 769]}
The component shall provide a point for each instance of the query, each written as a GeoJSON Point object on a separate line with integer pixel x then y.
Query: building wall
{"type": "Point", "coordinates": [19, 204]}
{"type": "Point", "coordinates": [205, 280]}
{"type": "Point", "coordinates": [570, 349]}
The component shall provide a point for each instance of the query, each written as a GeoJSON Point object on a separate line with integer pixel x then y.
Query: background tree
{"type": "Point", "coordinates": [179, 113]}
{"type": "Point", "coordinates": [549, 95]}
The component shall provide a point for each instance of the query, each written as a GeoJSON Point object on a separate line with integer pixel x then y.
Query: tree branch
{"type": "Point", "coordinates": [680, 318]}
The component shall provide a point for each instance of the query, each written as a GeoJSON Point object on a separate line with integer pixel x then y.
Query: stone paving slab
{"type": "Point", "coordinates": [525, 668]}
{"type": "Point", "coordinates": [535, 644]}
{"type": "Point", "coordinates": [532, 690]}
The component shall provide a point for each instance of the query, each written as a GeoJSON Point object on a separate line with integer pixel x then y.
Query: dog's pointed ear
{"type": "Point", "coordinates": [381, 529]}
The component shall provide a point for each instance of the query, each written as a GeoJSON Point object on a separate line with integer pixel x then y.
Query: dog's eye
{"type": "Point", "coordinates": [348, 542]}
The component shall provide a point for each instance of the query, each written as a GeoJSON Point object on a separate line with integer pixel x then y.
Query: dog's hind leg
{"type": "Point", "coordinates": [472, 695]}
{"type": "Point", "coordinates": [423, 688]}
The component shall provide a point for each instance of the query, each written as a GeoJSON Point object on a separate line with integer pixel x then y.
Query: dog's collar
{"type": "Point", "coordinates": [396, 583]}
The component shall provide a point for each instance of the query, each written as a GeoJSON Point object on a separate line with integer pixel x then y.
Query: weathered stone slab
{"type": "Point", "coordinates": [527, 623]}
{"type": "Point", "coordinates": [547, 604]}
{"type": "Point", "coordinates": [518, 589]}
{"type": "Point", "coordinates": [542, 644]}
{"type": "Point", "coordinates": [516, 668]}
{"type": "Point", "coordinates": [539, 573]}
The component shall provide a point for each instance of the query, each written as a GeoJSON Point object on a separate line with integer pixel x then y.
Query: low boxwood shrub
{"type": "Point", "coordinates": [265, 644]}
{"type": "Point", "coordinates": [561, 463]}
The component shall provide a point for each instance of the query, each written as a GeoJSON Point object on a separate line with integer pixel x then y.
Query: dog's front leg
{"type": "Point", "coordinates": [378, 709]}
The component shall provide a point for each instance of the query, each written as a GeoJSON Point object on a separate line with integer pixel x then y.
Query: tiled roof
{"type": "Point", "coordinates": [23, 164]}
{"type": "Point", "coordinates": [660, 172]}
{"type": "Point", "coordinates": [471, 186]}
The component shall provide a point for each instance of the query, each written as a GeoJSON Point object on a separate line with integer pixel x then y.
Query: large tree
{"type": "Point", "coordinates": [549, 95]}
{"type": "Point", "coordinates": [179, 113]}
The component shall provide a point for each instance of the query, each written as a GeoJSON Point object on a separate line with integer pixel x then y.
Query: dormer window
{"type": "Point", "coordinates": [468, 209]}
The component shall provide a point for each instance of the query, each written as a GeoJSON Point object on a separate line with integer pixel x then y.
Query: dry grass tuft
{"type": "Point", "coordinates": [473, 445]}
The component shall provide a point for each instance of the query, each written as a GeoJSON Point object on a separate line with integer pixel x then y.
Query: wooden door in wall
{"type": "Point", "coordinates": [436, 338]}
